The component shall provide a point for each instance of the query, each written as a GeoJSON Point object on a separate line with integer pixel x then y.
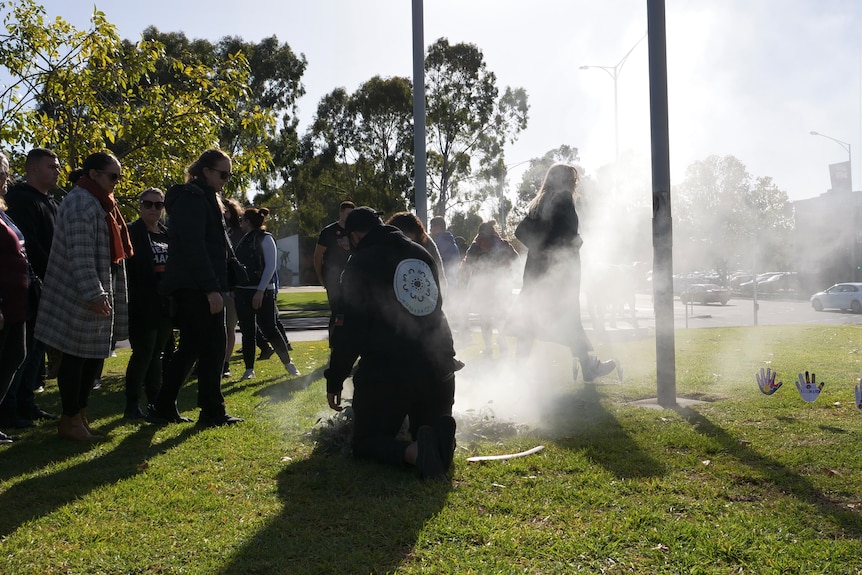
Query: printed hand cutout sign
{"type": "Point", "coordinates": [766, 381]}
{"type": "Point", "coordinates": [808, 387]}
{"type": "Point", "coordinates": [859, 395]}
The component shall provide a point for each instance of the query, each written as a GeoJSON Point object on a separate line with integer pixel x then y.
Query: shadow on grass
{"type": "Point", "coordinates": [38, 496]}
{"type": "Point", "coordinates": [283, 389]}
{"type": "Point", "coordinates": [586, 425]}
{"type": "Point", "coordinates": [341, 516]}
{"type": "Point", "coordinates": [781, 477]}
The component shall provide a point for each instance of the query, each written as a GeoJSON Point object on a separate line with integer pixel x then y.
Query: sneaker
{"type": "Point", "coordinates": [291, 368]}
{"type": "Point", "coordinates": [218, 421]}
{"type": "Point", "coordinates": [97, 383]}
{"type": "Point", "coordinates": [249, 374]}
{"type": "Point", "coordinates": [226, 370]}
{"type": "Point", "coordinates": [266, 354]}
{"type": "Point", "coordinates": [428, 460]}
{"type": "Point", "coordinates": [598, 369]}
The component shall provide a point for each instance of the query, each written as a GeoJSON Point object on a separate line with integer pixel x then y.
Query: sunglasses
{"type": "Point", "coordinates": [150, 204]}
{"type": "Point", "coordinates": [113, 176]}
{"type": "Point", "coordinates": [223, 174]}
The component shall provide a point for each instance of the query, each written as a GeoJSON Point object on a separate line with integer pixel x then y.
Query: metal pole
{"type": "Point", "coordinates": [662, 222]}
{"type": "Point", "coordinates": [419, 165]}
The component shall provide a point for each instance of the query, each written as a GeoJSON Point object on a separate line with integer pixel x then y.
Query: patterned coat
{"type": "Point", "coordinates": [80, 272]}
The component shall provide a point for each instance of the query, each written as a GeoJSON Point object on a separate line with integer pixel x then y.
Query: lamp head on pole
{"type": "Point", "coordinates": [813, 133]}
{"type": "Point", "coordinates": [584, 68]}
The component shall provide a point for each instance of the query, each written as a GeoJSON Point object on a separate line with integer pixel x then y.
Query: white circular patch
{"type": "Point", "coordinates": [415, 287]}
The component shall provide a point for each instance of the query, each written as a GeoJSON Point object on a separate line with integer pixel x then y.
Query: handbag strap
{"type": "Point", "coordinates": [230, 253]}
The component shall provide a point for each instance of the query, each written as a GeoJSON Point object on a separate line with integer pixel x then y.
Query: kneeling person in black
{"type": "Point", "coordinates": [392, 320]}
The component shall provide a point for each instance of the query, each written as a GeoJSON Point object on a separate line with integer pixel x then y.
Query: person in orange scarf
{"type": "Point", "coordinates": [84, 298]}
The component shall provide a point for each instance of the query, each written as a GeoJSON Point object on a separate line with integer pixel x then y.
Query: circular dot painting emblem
{"type": "Point", "coordinates": [415, 287]}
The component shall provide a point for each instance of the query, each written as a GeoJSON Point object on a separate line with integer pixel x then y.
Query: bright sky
{"type": "Point", "coordinates": [748, 78]}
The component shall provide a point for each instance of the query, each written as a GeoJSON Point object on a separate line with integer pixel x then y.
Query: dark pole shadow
{"type": "Point", "coordinates": [780, 476]}
{"type": "Point", "coordinates": [585, 424]}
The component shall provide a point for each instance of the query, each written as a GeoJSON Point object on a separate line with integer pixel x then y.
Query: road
{"type": "Point", "coordinates": [740, 312]}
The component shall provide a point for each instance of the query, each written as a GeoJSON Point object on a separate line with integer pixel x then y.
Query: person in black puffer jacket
{"type": "Point", "coordinates": [391, 318]}
{"type": "Point", "coordinates": [195, 277]}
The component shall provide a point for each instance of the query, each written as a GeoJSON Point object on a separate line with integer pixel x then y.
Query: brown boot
{"type": "Point", "coordinates": [72, 427]}
{"type": "Point", "coordinates": [86, 423]}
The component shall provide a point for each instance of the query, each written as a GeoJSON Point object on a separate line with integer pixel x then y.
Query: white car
{"type": "Point", "coordinates": [840, 296]}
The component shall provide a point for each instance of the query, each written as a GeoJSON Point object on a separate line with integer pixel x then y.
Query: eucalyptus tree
{"type": "Point", "coordinates": [468, 120]}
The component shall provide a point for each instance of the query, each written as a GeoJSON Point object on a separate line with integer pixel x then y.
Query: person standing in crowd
{"type": "Point", "coordinates": [13, 295]}
{"type": "Point", "coordinates": [392, 320]}
{"type": "Point", "coordinates": [34, 210]}
{"type": "Point", "coordinates": [232, 215]}
{"type": "Point", "coordinates": [411, 226]}
{"type": "Point", "coordinates": [330, 255]}
{"type": "Point", "coordinates": [83, 307]}
{"type": "Point", "coordinates": [255, 301]}
{"type": "Point", "coordinates": [449, 252]}
{"type": "Point", "coordinates": [487, 272]}
{"type": "Point", "coordinates": [195, 278]}
{"type": "Point", "coordinates": [149, 319]}
{"type": "Point", "coordinates": [550, 295]}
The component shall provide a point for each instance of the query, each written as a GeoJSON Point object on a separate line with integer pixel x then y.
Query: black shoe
{"type": "Point", "coordinates": [161, 418]}
{"type": "Point", "coordinates": [445, 430]}
{"type": "Point", "coordinates": [265, 354]}
{"type": "Point", "coordinates": [226, 370]}
{"type": "Point", "coordinates": [134, 412]}
{"type": "Point", "coordinates": [37, 413]}
{"type": "Point", "coordinates": [218, 421]}
{"type": "Point", "coordinates": [428, 460]}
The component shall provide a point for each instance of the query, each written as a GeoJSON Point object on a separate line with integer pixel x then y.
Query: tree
{"type": "Point", "coordinates": [721, 213]}
{"type": "Point", "coordinates": [264, 120]}
{"type": "Point", "coordinates": [81, 91]}
{"type": "Point", "coordinates": [359, 147]}
{"type": "Point", "coordinates": [468, 125]}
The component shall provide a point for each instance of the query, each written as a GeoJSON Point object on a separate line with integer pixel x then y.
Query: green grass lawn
{"type": "Point", "coordinates": [741, 483]}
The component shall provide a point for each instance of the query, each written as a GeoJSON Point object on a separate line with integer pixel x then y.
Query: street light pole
{"type": "Point", "coordinates": [846, 146]}
{"type": "Point", "coordinates": [614, 73]}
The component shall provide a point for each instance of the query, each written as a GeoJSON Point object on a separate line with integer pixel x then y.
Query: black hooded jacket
{"type": "Point", "coordinates": [196, 240]}
{"type": "Point", "coordinates": [392, 317]}
{"type": "Point", "coordinates": [34, 213]}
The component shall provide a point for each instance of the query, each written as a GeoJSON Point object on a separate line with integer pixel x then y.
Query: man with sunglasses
{"type": "Point", "coordinates": [34, 210]}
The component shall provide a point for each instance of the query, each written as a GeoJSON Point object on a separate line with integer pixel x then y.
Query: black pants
{"type": "Point", "coordinates": [264, 317]}
{"type": "Point", "coordinates": [379, 411]}
{"type": "Point", "coordinates": [20, 398]}
{"type": "Point", "coordinates": [202, 340]}
{"type": "Point", "coordinates": [12, 354]}
{"type": "Point", "coordinates": [75, 380]}
{"type": "Point", "coordinates": [144, 370]}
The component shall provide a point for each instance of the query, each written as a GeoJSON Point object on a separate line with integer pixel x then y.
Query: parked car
{"type": "Point", "coordinates": [840, 296]}
{"type": "Point", "coordinates": [705, 293]}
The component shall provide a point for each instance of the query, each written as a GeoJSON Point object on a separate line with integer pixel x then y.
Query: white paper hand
{"type": "Point", "coordinates": [808, 387]}
{"type": "Point", "coordinates": [766, 381]}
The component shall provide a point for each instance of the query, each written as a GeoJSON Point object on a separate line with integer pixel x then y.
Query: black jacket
{"type": "Point", "coordinates": [34, 213]}
{"type": "Point", "coordinates": [146, 304]}
{"type": "Point", "coordinates": [392, 317]}
{"type": "Point", "coordinates": [196, 240]}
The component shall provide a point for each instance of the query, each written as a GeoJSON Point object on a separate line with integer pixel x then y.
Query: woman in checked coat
{"type": "Point", "coordinates": [84, 301]}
